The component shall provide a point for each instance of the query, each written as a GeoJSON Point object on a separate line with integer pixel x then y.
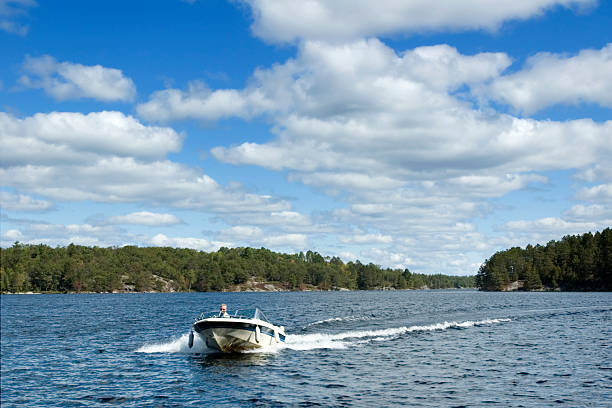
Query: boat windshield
{"type": "Point", "coordinates": [238, 314]}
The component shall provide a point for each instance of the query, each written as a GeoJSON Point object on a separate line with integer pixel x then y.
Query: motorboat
{"type": "Point", "coordinates": [236, 331]}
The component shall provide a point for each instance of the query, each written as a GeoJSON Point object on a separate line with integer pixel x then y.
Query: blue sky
{"type": "Point", "coordinates": [420, 134]}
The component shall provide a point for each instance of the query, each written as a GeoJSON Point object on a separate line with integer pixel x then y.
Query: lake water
{"type": "Point", "coordinates": [414, 348]}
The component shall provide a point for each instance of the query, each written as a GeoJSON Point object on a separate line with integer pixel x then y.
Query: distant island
{"type": "Point", "coordinates": [75, 268]}
{"type": "Point", "coordinates": [575, 263]}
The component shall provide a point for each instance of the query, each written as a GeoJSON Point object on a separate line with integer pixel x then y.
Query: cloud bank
{"type": "Point", "coordinates": [113, 158]}
{"type": "Point", "coordinates": [413, 145]}
{"type": "Point", "coordinates": [406, 139]}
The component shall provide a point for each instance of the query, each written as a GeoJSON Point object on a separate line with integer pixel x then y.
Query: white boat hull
{"type": "Point", "coordinates": [235, 335]}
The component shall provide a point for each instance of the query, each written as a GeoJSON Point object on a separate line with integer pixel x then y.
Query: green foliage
{"type": "Point", "coordinates": [78, 268]}
{"type": "Point", "coordinates": [573, 263]}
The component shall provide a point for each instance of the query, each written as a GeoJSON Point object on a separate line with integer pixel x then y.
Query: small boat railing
{"type": "Point", "coordinates": [236, 314]}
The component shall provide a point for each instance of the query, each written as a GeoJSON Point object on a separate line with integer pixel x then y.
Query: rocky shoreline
{"type": "Point", "coordinates": [251, 285]}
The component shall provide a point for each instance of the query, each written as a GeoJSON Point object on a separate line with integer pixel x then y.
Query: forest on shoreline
{"type": "Point", "coordinates": [576, 262]}
{"type": "Point", "coordinates": [76, 268]}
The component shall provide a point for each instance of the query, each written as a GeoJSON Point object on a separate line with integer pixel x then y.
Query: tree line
{"type": "Point", "coordinates": [75, 268]}
{"type": "Point", "coordinates": [581, 262]}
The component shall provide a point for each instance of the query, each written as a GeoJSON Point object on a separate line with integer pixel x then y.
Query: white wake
{"type": "Point", "coordinates": [346, 339]}
{"type": "Point", "coordinates": [177, 345]}
{"type": "Point", "coordinates": [341, 319]}
{"type": "Point", "coordinates": [316, 340]}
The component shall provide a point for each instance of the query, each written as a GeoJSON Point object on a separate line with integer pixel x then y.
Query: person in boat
{"type": "Point", "coordinates": [223, 311]}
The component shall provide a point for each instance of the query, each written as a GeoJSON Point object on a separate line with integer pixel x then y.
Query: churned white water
{"type": "Point", "coordinates": [176, 345]}
{"type": "Point", "coordinates": [316, 340]}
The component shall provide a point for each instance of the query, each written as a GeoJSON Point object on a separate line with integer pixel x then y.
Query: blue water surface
{"type": "Point", "coordinates": [367, 348]}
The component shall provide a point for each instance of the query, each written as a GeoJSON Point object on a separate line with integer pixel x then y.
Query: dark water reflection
{"type": "Point", "coordinates": [232, 359]}
{"type": "Point", "coordinates": [430, 349]}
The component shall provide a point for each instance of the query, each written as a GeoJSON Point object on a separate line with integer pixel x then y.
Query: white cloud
{"type": "Point", "coordinates": [397, 137]}
{"type": "Point", "coordinates": [347, 256]}
{"type": "Point", "coordinates": [12, 235]}
{"type": "Point", "coordinates": [33, 232]}
{"type": "Point", "coordinates": [598, 172]}
{"type": "Point", "coordinates": [400, 140]}
{"type": "Point", "coordinates": [197, 102]}
{"type": "Point", "coordinates": [550, 224]}
{"type": "Point", "coordinates": [442, 67]}
{"type": "Point", "coordinates": [407, 155]}
{"type": "Point", "coordinates": [109, 157]}
{"type": "Point", "coordinates": [257, 237]}
{"type": "Point", "coordinates": [114, 180]}
{"type": "Point", "coordinates": [292, 241]}
{"type": "Point", "coordinates": [200, 244]}
{"type": "Point", "coordinates": [21, 202]}
{"type": "Point", "coordinates": [60, 230]}
{"type": "Point", "coordinates": [66, 80]}
{"type": "Point", "coordinates": [73, 138]}
{"type": "Point", "coordinates": [12, 14]}
{"type": "Point", "coordinates": [320, 71]}
{"type": "Point", "coordinates": [289, 20]}
{"type": "Point", "coordinates": [495, 186]}
{"type": "Point", "coordinates": [594, 212]}
{"type": "Point", "coordinates": [14, 27]}
{"type": "Point", "coordinates": [447, 251]}
{"type": "Point", "coordinates": [145, 218]}
{"type": "Point", "coordinates": [550, 79]}
{"type": "Point", "coordinates": [287, 218]}
{"type": "Point", "coordinates": [242, 233]}
{"type": "Point", "coordinates": [390, 258]}
{"type": "Point", "coordinates": [287, 221]}
{"type": "Point", "coordinates": [541, 231]}
{"type": "Point", "coordinates": [358, 115]}
{"type": "Point", "coordinates": [346, 181]}
{"type": "Point", "coordinates": [367, 239]}
{"type": "Point", "coordinates": [601, 193]}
